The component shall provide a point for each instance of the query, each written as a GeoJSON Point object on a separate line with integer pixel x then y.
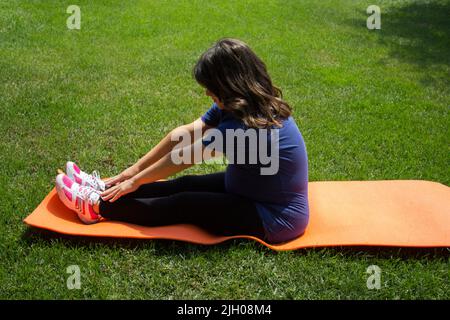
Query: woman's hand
{"type": "Point", "coordinates": [124, 175]}
{"type": "Point", "coordinates": [123, 188]}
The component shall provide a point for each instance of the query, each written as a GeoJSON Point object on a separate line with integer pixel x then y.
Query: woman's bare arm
{"type": "Point", "coordinates": [167, 166]}
{"type": "Point", "coordinates": [167, 144]}
{"type": "Point", "coordinates": [164, 147]}
{"type": "Point", "coordinates": [164, 167]}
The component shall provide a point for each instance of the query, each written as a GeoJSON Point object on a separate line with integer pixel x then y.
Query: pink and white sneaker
{"type": "Point", "coordinates": [84, 179]}
{"type": "Point", "coordinates": [80, 199]}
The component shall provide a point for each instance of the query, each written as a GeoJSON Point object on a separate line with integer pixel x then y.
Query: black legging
{"type": "Point", "coordinates": [194, 199]}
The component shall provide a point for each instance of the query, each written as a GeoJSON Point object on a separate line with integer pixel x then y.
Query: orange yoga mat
{"type": "Point", "coordinates": [402, 213]}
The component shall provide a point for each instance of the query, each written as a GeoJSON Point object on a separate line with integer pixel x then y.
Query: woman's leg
{"type": "Point", "coordinates": [217, 212]}
{"type": "Point", "coordinates": [213, 182]}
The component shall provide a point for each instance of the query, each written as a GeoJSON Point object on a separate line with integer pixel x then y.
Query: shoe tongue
{"type": "Point", "coordinates": [101, 184]}
{"type": "Point", "coordinates": [94, 197]}
{"type": "Point", "coordinates": [93, 179]}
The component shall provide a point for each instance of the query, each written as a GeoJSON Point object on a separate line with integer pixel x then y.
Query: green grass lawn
{"type": "Point", "coordinates": [371, 105]}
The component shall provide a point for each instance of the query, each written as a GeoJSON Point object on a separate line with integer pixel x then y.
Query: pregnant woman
{"type": "Point", "coordinates": [245, 199]}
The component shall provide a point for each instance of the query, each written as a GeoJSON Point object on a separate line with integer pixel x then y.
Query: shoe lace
{"type": "Point", "coordinates": [84, 194]}
{"type": "Point", "coordinates": [94, 179]}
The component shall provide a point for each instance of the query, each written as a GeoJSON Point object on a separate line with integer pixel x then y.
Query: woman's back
{"type": "Point", "coordinates": [281, 191]}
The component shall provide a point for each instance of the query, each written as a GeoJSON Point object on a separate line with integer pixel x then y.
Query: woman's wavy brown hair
{"type": "Point", "coordinates": [239, 79]}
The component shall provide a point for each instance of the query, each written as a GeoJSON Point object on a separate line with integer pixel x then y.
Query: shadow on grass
{"type": "Point", "coordinates": [419, 34]}
{"type": "Point", "coordinates": [172, 247]}
{"type": "Point", "coordinates": [160, 246]}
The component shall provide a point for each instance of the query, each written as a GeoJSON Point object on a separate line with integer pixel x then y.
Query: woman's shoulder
{"type": "Point", "coordinates": [284, 122]}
